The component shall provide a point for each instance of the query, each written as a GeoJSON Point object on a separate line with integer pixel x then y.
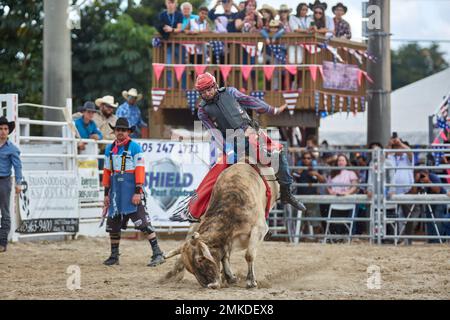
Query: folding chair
{"type": "Point", "coordinates": [347, 222]}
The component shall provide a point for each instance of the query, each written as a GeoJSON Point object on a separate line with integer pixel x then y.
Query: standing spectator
{"type": "Point", "coordinates": [284, 13]}
{"type": "Point", "coordinates": [170, 21]}
{"type": "Point", "coordinates": [321, 23]}
{"type": "Point", "coordinates": [249, 20]}
{"type": "Point", "coordinates": [227, 7]}
{"type": "Point", "coordinates": [300, 22]}
{"type": "Point", "coordinates": [9, 157]}
{"type": "Point", "coordinates": [87, 129]}
{"type": "Point", "coordinates": [310, 176]}
{"type": "Point", "coordinates": [131, 111]}
{"type": "Point", "coordinates": [241, 6]}
{"type": "Point", "coordinates": [341, 27]}
{"type": "Point", "coordinates": [200, 24]}
{"type": "Point", "coordinates": [186, 10]}
{"type": "Point", "coordinates": [105, 116]}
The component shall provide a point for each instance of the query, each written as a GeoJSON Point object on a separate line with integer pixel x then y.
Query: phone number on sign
{"type": "Point", "coordinates": [169, 148]}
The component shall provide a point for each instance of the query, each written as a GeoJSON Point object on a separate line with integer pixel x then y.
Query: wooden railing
{"type": "Point", "coordinates": [282, 80]}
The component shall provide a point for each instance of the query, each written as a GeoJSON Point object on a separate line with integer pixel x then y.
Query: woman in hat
{"type": "Point", "coordinates": [268, 14]}
{"type": "Point", "coordinates": [10, 157]}
{"type": "Point", "coordinates": [284, 13]}
{"type": "Point", "coordinates": [270, 24]}
{"type": "Point", "coordinates": [249, 20]}
{"type": "Point", "coordinates": [300, 22]}
{"type": "Point", "coordinates": [131, 111]}
{"type": "Point", "coordinates": [321, 23]}
{"type": "Point", "coordinates": [342, 28]}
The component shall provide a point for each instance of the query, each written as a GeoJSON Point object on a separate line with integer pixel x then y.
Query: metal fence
{"type": "Point", "coordinates": [388, 207]}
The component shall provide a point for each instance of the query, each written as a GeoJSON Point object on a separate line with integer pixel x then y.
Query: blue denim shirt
{"type": "Point", "coordinates": [132, 113]}
{"type": "Point", "coordinates": [10, 157]}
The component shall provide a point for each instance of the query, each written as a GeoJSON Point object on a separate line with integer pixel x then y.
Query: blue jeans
{"type": "Point", "coordinates": [5, 222]}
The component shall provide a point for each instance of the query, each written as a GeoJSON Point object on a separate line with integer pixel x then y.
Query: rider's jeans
{"type": "Point", "coordinates": [283, 175]}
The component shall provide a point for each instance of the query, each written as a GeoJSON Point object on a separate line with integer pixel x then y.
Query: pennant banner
{"type": "Point", "coordinates": [363, 104]}
{"type": "Point", "coordinates": [246, 69]}
{"type": "Point", "coordinates": [333, 103]}
{"type": "Point", "coordinates": [158, 68]}
{"type": "Point", "coordinates": [313, 70]}
{"type": "Point", "coordinates": [290, 97]}
{"type": "Point", "coordinates": [335, 53]}
{"type": "Point", "coordinates": [268, 71]}
{"type": "Point", "coordinates": [157, 98]}
{"type": "Point", "coordinates": [292, 69]}
{"type": "Point", "coordinates": [225, 71]}
{"type": "Point", "coordinates": [316, 102]}
{"type": "Point", "coordinates": [200, 69]}
{"type": "Point", "coordinates": [190, 48]}
{"type": "Point", "coordinates": [192, 97]}
{"type": "Point", "coordinates": [179, 70]}
{"type": "Point", "coordinates": [250, 48]}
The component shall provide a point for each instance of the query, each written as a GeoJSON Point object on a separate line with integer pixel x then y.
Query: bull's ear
{"type": "Point", "coordinates": [194, 238]}
{"type": "Point", "coordinates": [173, 253]}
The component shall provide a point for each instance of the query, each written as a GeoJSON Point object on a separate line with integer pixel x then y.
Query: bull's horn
{"type": "Point", "coordinates": [205, 252]}
{"type": "Point", "coordinates": [172, 253]}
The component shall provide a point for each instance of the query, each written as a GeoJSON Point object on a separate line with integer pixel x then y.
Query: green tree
{"type": "Point", "coordinates": [21, 31]}
{"type": "Point", "coordinates": [412, 62]}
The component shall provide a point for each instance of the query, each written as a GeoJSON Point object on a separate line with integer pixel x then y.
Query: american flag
{"type": "Point", "coordinates": [192, 97]}
{"type": "Point", "coordinates": [157, 97]}
{"type": "Point", "coordinates": [250, 48]}
{"type": "Point", "coordinates": [316, 101]}
{"type": "Point", "coordinates": [279, 52]}
{"type": "Point", "coordinates": [190, 48]}
{"type": "Point", "coordinates": [311, 48]}
{"type": "Point", "coordinates": [217, 48]}
{"type": "Point", "coordinates": [258, 94]}
{"type": "Point", "coordinates": [363, 104]}
{"type": "Point", "coordinates": [291, 100]}
{"type": "Point", "coordinates": [333, 103]}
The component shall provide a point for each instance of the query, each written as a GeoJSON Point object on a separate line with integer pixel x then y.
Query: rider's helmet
{"type": "Point", "coordinates": [205, 81]}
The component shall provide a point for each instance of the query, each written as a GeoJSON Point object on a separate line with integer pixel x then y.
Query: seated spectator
{"type": "Point", "coordinates": [105, 116]}
{"type": "Point", "coordinates": [186, 10]}
{"type": "Point", "coordinates": [438, 210]}
{"type": "Point", "coordinates": [310, 176]}
{"type": "Point", "coordinates": [320, 23]}
{"type": "Point", "coordinates": [249, 20]}
{"type": "Point", "coordinates": [268, 14]}
{"type": "Point", "coordinates": [341, 27]}
{"type": "Point", "coordinates": [231, 16]}
{"type": "Point", "coordinates": [342, 176]}
{"type": "Point", "coordinates": [85, 125]}
{"type": "Point", "coordinates": [130, 110]}
{"type": "Point", "coordinates": [275, 28]}
{"type": "Point", "coordinates": [300, 22]}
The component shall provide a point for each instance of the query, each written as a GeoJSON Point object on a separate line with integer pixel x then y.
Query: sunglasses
{"type": "Point", "coordinates": [318, 12]}
{"type": "Point", "coordinates": [121, 129]}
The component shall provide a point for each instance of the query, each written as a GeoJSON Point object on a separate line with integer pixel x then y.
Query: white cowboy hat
{"type": "Point", "coordinates": [133, 93]}
{"type": "Point", "coordinates": [109, 100]}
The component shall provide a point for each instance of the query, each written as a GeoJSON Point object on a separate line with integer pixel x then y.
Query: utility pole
{"type": "Point", "coordinates": [379, 109]}
{"type": "Point", "coordinates": [57, 61]}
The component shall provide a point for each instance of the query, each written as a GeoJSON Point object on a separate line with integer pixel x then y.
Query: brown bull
{"type": "Point", "coordinates": [234, 220]}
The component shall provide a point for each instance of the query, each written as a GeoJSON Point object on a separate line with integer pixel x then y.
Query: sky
{"type": "Point", "coordinates": [410, 19]}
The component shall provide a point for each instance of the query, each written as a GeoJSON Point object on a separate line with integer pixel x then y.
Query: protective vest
{"type": "Point", "coordinates": [226, 112]}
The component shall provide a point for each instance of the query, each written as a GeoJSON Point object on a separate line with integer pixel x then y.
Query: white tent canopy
{"type": "Point", "coordinates": [411, 107]}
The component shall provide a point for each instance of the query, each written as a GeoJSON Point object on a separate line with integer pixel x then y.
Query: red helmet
{"type": "Point", "coordinates": [205, 81]}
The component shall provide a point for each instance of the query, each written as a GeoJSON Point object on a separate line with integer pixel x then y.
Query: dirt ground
{"type": "Point", "coordinates": [284, 271]}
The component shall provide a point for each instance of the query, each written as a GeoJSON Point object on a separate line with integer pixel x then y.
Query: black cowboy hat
{"type": "Point", "coordinates": [123, 124]}
{"type": "Point", "coordinates": [318, 4]}
{"type": "Point", "coordinates": [11, 124]}
{"type": "Point", "coordinates": [339, 5]}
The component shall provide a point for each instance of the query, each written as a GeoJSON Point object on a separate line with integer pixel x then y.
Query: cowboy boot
{"type": "Point", "coordinates": [113, 258]}
{"type": "Point", "coordinates": [157, 258]}
{"type": "Point", "coordinates": [287, 197]}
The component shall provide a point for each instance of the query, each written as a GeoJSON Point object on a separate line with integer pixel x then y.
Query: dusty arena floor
{"type": "Point", "coordinates": [284, 271]}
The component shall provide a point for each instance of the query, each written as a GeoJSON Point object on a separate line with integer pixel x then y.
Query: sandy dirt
{"type": "Point", "coordinates": [284, 271]}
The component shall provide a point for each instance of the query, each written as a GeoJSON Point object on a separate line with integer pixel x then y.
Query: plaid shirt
{"type": "Point", "coordinates": [342, 29]}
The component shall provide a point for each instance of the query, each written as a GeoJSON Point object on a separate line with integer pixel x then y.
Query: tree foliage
{"type": "Point", "coordinates": [412, 62]}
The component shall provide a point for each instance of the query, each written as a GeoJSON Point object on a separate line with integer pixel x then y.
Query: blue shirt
{"type": "Point", "coordinates": [132, 113]}
{"type": "Point", "coordinates": [187, 20]}
{"type": "Point", "coordinates": [86, 131]}
{"type": "Point", "coordinates": [10, 157]}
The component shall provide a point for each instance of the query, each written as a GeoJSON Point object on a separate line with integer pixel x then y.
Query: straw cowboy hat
{"type": "Point", "coordinates": [122, 123]}
{"type": "Point", "coordinates": [284, 8]}
{"type": "Point", "coordinates": [109, 100]}
{"type": "Point", "coordinates": [11, 124]}
{"type": "Point", "coordinates": [266, 7]}
{"type": "Point", "coordinates": [274, 23]}
{"type": "Point", "coordinates": [339, 5]}
{"type": "Point", "coordinates": [131, 93]}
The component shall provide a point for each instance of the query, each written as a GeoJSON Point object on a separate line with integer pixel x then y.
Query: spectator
{"type": "Point", "coordinates": [10, 157]}
{"type": "Point", "coordinates": [241, 6]}
{"type": "Point", "coordinates": [221, 24]}
{"type": "Point", "coordinates": [131, 111]}
{"type": "Point", "coordinates": [342, 176]}
{"type": "Point", "coordinates": [249, 20]}
{"type": "Point", "coordinates": [105, 116]}
{"type": "Point", "coordinates": [300, 22]}
{"type": "Point", "coordinates": [320, 23]}
{"type": "Point", "coordinates": [341, 27]}
{"type": "Point", "coordinates": [170, 21]}
{"type": "Point", "coordinates": [186, 10]}
{"type": "Point", "coordinates": [268, 14]}
{"type": "Point", "coordinates": [231, 16]}
{"type": "Point", "coordinates": [200, 24]}
{"type": "Point", "coordinates": [310, 176]}
{"type": "Point", "coordinates": [87, 129]}
{"type": "Point", "coordinates": [439, 210]}
{"type": "Point", "coordinates": [284, 13]}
